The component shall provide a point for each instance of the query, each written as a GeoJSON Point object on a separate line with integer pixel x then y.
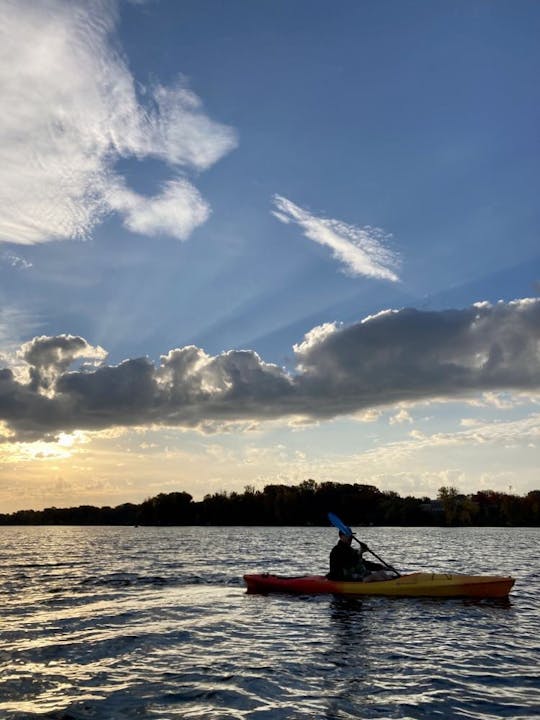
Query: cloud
{"type": "Point", "coordinates": [47, 358]}
{"type": "Point", "coordinates": [361, 250]}
{"type": "Point", "coordinates": [510, 433]}
{"type": "Point", "coordinates": [406, 355]}
{"type": "Point", "coordinates": [72, 111]}
{"type": "Point", "coordinates": [177, 211]}
{"type": "Point", "coordinates": [401, 416]}
{"type": "Point", "coordinates": [15, 261]}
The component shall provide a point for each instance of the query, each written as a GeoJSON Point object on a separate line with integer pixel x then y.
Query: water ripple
{"type": "Point", "coordinates": [102, 623]}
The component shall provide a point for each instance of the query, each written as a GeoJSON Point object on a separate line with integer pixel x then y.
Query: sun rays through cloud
{"type": "Point", "coordinates": [397, 356]}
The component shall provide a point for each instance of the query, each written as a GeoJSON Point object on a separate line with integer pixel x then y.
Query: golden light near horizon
{"type": "Point", "coordinates": [63, 447]}
{"type": "Point", "coordinates": [128, 465]}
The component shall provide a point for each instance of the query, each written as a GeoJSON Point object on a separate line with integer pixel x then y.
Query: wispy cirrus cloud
{"type": "Point", "coordinates": [72, 109]}
{"type": "Point", "coordinates": [361, 250]}
{"type": "Point", "coordinates": [14, 261]}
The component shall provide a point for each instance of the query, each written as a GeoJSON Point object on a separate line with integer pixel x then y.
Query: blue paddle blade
{"type": "Point", "coordinates": [336, 522]}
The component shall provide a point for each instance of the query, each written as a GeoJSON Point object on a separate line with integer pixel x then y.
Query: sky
{"type": "Point", "coordinates": [246, 243]}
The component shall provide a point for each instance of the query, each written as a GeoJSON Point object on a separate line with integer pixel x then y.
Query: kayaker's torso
{"type": "Point", "coordinates": [346, 563]}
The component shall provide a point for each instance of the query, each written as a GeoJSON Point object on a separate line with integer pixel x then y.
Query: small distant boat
{"type": "Point", "coordinates": [420, 584]}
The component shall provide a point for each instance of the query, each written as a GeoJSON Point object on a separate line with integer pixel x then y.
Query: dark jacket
{"type": "Point", "coordinates": [346, 563]}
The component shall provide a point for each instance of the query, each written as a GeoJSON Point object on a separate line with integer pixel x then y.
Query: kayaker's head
{"type": "Point", "coordinates": [345, 538]}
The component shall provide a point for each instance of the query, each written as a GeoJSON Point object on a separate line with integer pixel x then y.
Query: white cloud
{"type": "Point", "coordinates": [14, 261]}
{"type": "Point", "coordinates": [177, 211]}
{"type": "Point", "coordinates": [476, 449]}
{"type": "Point", "coordinates": [499, 400]}
{"type": "Point", "coordinates": [315, 337]}
{"type": "Point", "coordinates": [361, 250]}
{"type": "Point", "coordinates": [180, 133]}
{"type": "Point", "coordinates": [72, 110]}
{"type": "Point", "coordinates": [514, 432]}
{"type": "Point", "coordinates": [470, 422]}
{"type": "Point", "coordinates": [367, 416]}
{"type": "Point", "coordinates": [401, 416]}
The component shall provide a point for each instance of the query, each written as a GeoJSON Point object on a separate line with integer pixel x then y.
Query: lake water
{"type": "Point", "coordinates": [108, 623]}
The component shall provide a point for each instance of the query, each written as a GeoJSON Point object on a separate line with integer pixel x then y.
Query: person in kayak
{"type": "Point", "coordinates": [346, 563]}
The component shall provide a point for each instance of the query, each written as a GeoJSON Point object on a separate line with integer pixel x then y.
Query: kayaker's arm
{"type": "Point", "coordinates": [336, 522]}
{"type": "Point", "coordinates": [380, 559]}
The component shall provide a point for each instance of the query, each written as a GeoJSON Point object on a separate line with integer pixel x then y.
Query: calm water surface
{"type": "Point", "coordinates": [123, 623]}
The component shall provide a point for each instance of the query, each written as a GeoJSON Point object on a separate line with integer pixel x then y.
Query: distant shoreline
{"type": "Point", "coordinates": [303, 505]}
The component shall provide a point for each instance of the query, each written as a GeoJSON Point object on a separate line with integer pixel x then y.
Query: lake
{"type": "Point", "coordinates": [121, 623]}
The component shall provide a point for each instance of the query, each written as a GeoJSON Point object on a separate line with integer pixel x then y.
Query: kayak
{"type": "Point", "coordinates": [420, 584]}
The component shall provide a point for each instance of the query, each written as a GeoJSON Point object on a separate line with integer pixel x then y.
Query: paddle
{"type": "Point", "coordinates": [340, 525]}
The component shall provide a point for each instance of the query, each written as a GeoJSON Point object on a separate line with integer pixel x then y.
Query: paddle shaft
{"type": "Point", "coordinates": [378, 558]}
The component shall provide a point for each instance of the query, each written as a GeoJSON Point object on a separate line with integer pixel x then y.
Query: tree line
{"type": "Point", "coordinates": [305, 504]}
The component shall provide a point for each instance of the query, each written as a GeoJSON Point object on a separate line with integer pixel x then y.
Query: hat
{"type": "Point", "coordinates": [345, 534]}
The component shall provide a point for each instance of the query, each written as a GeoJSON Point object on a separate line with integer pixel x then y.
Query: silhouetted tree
{"type": "Point", "coordinates": [305, 504]}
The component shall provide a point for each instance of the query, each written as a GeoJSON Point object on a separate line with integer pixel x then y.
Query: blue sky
{"type": "Point", "coordinates": [209, 209]}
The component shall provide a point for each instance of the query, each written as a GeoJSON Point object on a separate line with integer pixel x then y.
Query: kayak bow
{"type": "Point", "coordinates": [419, 584]}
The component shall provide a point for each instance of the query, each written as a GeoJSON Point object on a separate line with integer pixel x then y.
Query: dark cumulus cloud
{"type": "Point", "coordinates": [63, 383]}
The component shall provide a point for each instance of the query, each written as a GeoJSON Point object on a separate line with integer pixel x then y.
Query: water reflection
{"type": "Point", "coordinates": [350, 631]}
{"type": "Point", "coordinates": [420, 657]}
{"type": "Point", "coordinates": [347, 653]}
{"type": "Point", "coordinates": [105, 623]}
